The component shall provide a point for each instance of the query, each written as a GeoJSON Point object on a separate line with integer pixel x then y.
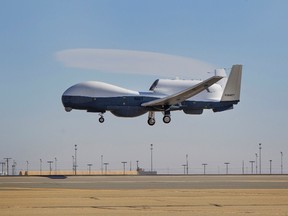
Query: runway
{"type": "Point", "coordinates": [148, 182]}
{"type": "Point", "coordinates": [222, 195]}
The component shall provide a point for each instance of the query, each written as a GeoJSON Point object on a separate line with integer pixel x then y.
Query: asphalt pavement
{"type": "Point", "coordinates": [148, 182]}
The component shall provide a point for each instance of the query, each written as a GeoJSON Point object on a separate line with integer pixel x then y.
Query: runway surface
{"type": "Point", "coordinates": [148, 182]}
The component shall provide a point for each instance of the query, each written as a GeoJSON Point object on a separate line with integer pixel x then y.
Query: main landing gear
{"type": "Point", "coordinates": [167, 117]}
{"type": "Point", "coordinates": [151, 118]}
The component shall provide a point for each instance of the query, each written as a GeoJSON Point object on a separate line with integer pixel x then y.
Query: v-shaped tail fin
{"type": "Point", "coordinates": [233, 86]}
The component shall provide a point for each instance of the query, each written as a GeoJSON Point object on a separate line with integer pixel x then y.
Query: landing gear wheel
{"type": "Point", "coordinates": [151, 118]}
{"type": "Point", "coordinates": [101, 119]}
{"type": "Point", "coordinates": [151, 121]}
{"type": "Point", "coordinates": [166, 119]}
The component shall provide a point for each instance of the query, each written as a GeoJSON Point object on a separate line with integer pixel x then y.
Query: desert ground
{"type": "Point", "coordinates": [72, 197]}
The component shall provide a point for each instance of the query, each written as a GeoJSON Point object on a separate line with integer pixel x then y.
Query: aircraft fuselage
{"type": "Point", "coordinates": [191, 96]}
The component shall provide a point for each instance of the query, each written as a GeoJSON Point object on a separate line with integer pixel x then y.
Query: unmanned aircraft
{"type": "Point", "coordinates": [218, 93]}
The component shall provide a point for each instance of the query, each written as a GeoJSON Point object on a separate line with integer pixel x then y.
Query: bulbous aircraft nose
{"type": "Point", "coordinates": [66, 101]}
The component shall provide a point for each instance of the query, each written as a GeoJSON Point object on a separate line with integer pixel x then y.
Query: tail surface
{"type": "Point", "coordinates": [233, 86]}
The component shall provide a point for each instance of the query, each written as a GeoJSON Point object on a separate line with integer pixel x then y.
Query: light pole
{"type": "Point", "coordinates": [89, 168]}
{"type": "Point", "coordinates": [50, 166]}
{"type": "Point", "coordinates": [260, 148]}
{"type": "Point", "coordinates": [3, 164]}
{"type": "Point", "coordinates": [75, 157]}
{"type": "Point", "coordinates": [124, 162]}
{"type": "Point", "coordinates": [184, 165]}
{"type": "Point", "coordinates": [73, 164]}
{"type": "Point", "coordinates": [101, 164]}
{"type": "Point", "coordinates": [151, 157]}
{"type": "Point", "coordinates": [27, 166]}
{"type": "Point", "coordinates": [270, 166]}
{"type": "Point", "coordinates": [256, 164]}
{"type": "Point", "coordinates": [281, 162]}
{"type": "Point", "coordinates": [137, 165]}
{"type": "Point", "coordinates": [204, 166]}
{"type": "Point", "coordinates": [14, 168]}
{"type": "Point", "coordinates": [55, 165]}
{"type": "Point", "coordinates": [106, 164]}
{"type": "Point", "coordinates": [40, 166]}
{"type": "Point", "coordinates": [252, 166]}
{"type": "Point", "coordinates": [187, 164]}
{"type": "Point", "coordinates": [7, 163]}
{"type": "Point", "coordinates": [226, 163]}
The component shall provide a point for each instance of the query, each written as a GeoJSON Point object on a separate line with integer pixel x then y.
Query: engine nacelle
{"type": "Point", "coordinates": [170, 87]}
{"type": "Point", "coordinates": [166, 86]}
{"type": "Point", "coordinates": [193, 111]}
{"type": "Point", "coordinates": [128, 111]}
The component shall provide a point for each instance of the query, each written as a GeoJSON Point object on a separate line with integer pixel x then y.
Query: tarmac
{"type": "Point", "coordinates": [215, 195]}
{"type": "Point", "coordinates": [148, 182]}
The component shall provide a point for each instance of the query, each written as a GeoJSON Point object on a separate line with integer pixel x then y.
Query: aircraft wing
{"type": "Point", "coordinates": [183, 95]}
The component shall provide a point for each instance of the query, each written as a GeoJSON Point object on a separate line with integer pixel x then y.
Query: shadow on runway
{"type": "Point", "coordinates": [56, 176]}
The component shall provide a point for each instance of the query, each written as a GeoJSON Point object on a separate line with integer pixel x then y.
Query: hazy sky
{"type": "Point", "coordinates": [34, 125]}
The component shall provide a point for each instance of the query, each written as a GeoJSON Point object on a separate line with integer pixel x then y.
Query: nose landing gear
{"type": "Point", "coordinates": [101, 119]}
{"type": "Point", "coordinates": [151, 121]}
{"type": "Point", "coordinates": [151, 118]}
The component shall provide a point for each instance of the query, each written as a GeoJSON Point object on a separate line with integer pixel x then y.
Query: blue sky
{"type": "Point", "coordinates": [34, 124]}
